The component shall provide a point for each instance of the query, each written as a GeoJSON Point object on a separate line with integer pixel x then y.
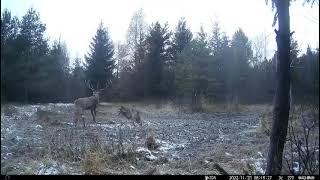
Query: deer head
{"type": "Point", "coordinates": [95, 92]}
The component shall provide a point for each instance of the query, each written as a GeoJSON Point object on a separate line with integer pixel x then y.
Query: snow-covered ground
{"type": "Point", "coordinates": [182, 137]}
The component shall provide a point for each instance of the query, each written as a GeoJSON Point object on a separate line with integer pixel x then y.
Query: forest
{"type": "Point", "coordinates": [180, 65]}
{"type": "Point", "coordinates": [190, 88]}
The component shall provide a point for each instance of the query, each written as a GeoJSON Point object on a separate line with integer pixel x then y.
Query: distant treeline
{"type": "Point", "coordinates": [154, 63]}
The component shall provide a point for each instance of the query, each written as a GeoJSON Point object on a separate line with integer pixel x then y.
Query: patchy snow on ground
{"type": "Point", "coordinates": [296, 167]}
{"type": "Point", "coordinates": [181, 137]}
{"type": "Point", "coordinates": [18, 138]}
{"type": "Point", "coordinates": [143, 149]}
{"type": "Point", "coordinates": [38, 126]}
{"type": "Point", "coordinates": [148, 154]}
{"type": "Point", "coordinates": [166, 146]}
{"type": "Point", "coordinates": [48, 170]}
{"type": "Point", "coordinates": [151, 157]}
{"type": "Point", "coordinates": [28, 110]}
{"type": "Point", "coordinates": [259, 163]}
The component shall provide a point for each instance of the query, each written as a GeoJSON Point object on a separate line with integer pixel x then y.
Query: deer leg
{"type": "Point", "coordinates": [84, 123]}
{"type": "Point", "coordinates": [93, 115]}
{"type": "Point", "coordinates": [132, 120]}
{"type": "Point", "coordinates": [76, 116]}
{"type": "Point", "coordinates": [75, 121]}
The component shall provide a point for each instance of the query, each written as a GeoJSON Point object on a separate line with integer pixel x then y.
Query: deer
{"type": "Point", "coordinates": [131, 114]}
{"type": "Point", "coordinates": [86, 103]}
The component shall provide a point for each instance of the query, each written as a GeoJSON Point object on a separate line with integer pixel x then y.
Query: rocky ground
{"type": "Point", "coordinates": [42, 139]}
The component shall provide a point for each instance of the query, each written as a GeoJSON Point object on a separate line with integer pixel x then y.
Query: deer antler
{"type": "Point", "coordinates": [97, 85]}
{"type": "Point", "coordinates": [88, 84]}
{"type": "Point", "coordinates": [108, 83]}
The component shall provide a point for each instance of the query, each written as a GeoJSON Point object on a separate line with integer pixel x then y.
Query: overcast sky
{"type": "Point", "coordinates": [76, 21]}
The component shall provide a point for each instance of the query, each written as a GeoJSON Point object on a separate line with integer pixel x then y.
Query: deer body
{"type": "Point", "coordinates": [131, 115]}
{"type": "Point", "coordinates": [86, 103]}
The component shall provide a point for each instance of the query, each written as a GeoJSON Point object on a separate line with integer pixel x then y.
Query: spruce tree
{"type": "Point", "coordinates": [239, 71]}
{"type": "Point", "coordinates": [181, 38]}
{"type": "Point", "coordinates": [100, 62]}
{"type": "Point", "coordinates": [9, 33]}
{"type": "Point", "coordinates": [156, 58]}
{"type": "Point", "coordinates": [31, 50]}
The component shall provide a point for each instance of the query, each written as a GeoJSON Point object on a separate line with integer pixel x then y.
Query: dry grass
{"type": "Point", "coordinates": [299, 115]}
{"type": "Point", "coordinates": [94, 156]}
{"type": "Point", "coordinates": [93, 162]}
{"type": "Point", "coordinates": [169, 107]}
{"type": "Point", "coordinates": [49, 117]}
{"type": "Point", "coordinates": [83, 149]}
{"type": "Point", "coordinates": [296, 113]}
{"type": "Point", "coordinates": [225, 108]}
{"type": "Point", "coordinates": [8, 110]}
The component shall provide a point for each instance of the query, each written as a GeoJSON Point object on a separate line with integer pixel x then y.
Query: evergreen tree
{"type": "Point", "coordinates": [9, 33]}
{"type": "Point", "coordinates": [181, 38]}
{"type": "Point", "coordinates": [31, 50]}
{"type": "Point", "coordinates": [192, 75]}
{"type": "Point", "coordinates": [239, 71]}
{"type": "Point", "coordinates": [219, 45]}
{"type": "Point", "coordinates": [202, 45]}
{"type": "Point", "coordinates": [136, 40]}
{"type": "Point", "coordinates": [305, 77]}
{"type": "Point", "coordinates": [216, 40]}
{"type": "Point", "coordinates": [77, 87]}
{"type": "Point", "coordinates": [100, 60]}
{"type": "Point", "coordinates": [157, 56]}
{"type": "Point", "coordinates": [57, 69]}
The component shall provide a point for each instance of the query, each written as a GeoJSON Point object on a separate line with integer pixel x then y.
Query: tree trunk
{"type": "Point", "coordinates": [196, 101]}
{"type": "Point", "coordinates": [291, 95]}
{"type": "Point", "coordinates": [281, 101]}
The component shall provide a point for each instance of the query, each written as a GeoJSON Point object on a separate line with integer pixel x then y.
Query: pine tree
{"type": "Point", "coordinates": [239, 71]}
{"type": "Point", "coordinates": [136, 47]}
{"type": "Point", "coordinates": [202, 45]}
{"type": "Point", "coordinates": [56, 69]}
{"type": "Point", "coordinates": [216, 41]}
{"type": "Point", "coordinates": [181, 38]}
{"type": "Point", "coordinates": [100, 62]}
{"type": "Point", "coordinates": [77, 80]}
{"type": "Point", "coordinates": [192, 75]}
{"type": "Point", "coordinates": [156, 58]}
{"type": "Point", "coordinates": [9, 33]}
{"type": "Point", "coordinates": [32, 48]}
{"type": "Point", "coordinates": [219, 45]}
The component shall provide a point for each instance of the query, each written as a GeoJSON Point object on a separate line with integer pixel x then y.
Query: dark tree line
{"type": "Point", "coordinates": [154, 63]}
{"type": "Point", "coordinates": [32, 70]}
{"type": "Point", "coordinates": [203, 67]}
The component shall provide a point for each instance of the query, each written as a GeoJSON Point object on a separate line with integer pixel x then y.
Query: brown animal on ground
{"type": "Point", "coordinates": [87, 103]}
{"type": "Point", "coordinates": [137, 118]}
{"type": "Point", "coordinates": [131, 114]}
{"type": "Point", "coordinates": [125, 112]}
